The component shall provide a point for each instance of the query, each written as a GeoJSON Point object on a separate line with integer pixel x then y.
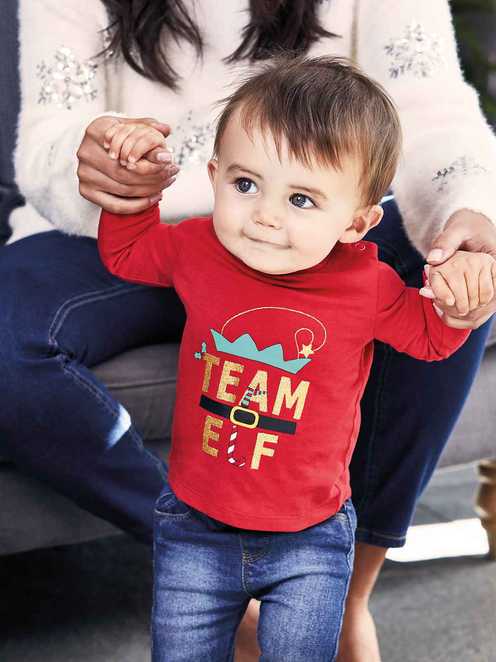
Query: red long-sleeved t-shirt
{"type": "Point", "coordinates": [271, 367]}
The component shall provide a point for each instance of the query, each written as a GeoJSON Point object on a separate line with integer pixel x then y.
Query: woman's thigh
{"type": "Point", "coordinates": [55, 293]}
{"type": "Point", "coordinates": [409, 409]}
{"type": "Point", "coordinates": [61, 312]}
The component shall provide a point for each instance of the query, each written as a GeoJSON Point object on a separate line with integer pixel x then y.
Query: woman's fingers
{"type": "Point", "coordinates": [94, 179]}
{"type": "Point", "coordinates": [486, 285]}
{"type": "Point", "coordinates": [427, 292]}
{"type": "Point", "coordinates": [106, 183]}
{"type": "Point", "coordinates": [478, 319]}
{"type": "Point", "coordinates": [161, 155]}
{"type": "Point", "coordinates": [472, 290]}
{"type": "Point", "coordinates": [145, 168]}
{"type": "Point", "coordinates": [116, 205]}
{"type": "Point", "coordinates": [493, 274]}
{"type": "Point", "coordinates": [93, 155]}
{"type": "Point", "coordinates": [91, 149]}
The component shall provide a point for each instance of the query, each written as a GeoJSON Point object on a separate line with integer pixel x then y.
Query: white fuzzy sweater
{"type": "Point", "coordinates": [449, 156]}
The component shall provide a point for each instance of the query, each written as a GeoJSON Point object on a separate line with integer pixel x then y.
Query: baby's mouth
{"type": "Point", "coordinates": [264, 242]}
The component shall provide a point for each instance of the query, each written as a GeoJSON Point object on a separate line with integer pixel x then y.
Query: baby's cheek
{"type": "Point", "coordinates": [315, 243]}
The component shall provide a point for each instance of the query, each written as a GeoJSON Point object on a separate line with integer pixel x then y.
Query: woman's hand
{"type": "Point", "coordinates": [466, 280]}
{"type": "Point", "coordinates": [473, 232]}
{"type": "Point", "coordinates": [108, 184]}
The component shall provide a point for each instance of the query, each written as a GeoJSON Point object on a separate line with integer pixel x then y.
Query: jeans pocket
{"type": "Point", "coordinates": [344, 512]}
{"type": "Point", "coordinates": [343, 523]}
{"type": "Point", "coordinates": [168, 505]}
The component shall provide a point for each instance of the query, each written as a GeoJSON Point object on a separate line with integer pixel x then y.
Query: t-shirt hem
{"type": "Point", "coordinates": [283, 523]}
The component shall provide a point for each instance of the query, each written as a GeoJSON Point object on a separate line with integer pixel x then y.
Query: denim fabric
{"type": "Point", "coordinates": [409, 409]}
{"type": "Point", "coordinates": [205, 573]}
{"type": "Point", "coordinates": [62, 312]}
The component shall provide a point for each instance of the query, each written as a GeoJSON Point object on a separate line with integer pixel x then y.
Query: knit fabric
{"type": "Point", "coordinates": [271, 367]}
{"type": "Point", "coordinates": [449, 155]}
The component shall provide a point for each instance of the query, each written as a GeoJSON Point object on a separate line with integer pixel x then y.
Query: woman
{"type": "Point", "coordinates": [175, 60]}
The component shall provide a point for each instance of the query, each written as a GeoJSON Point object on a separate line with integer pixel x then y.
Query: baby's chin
{"type": "Point", "coordinates": [271, 267]}
{"type": "Point", "coordinates": [276, 264]}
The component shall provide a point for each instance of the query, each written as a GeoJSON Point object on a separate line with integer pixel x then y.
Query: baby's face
{"type": "Point", "coordinates": [279, 216]}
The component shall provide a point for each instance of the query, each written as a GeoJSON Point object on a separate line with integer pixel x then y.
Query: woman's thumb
{"type": "Point", "coordinates": [446, 244]}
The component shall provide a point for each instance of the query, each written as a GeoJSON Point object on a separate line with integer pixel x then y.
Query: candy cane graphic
{"type": "Point", "coordinates": [244, 402]}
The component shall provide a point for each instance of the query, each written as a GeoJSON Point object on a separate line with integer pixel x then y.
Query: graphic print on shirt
{"type": "Point", "coordinates": [246, 413]}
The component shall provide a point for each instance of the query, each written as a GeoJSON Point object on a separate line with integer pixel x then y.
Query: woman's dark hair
{"type": "Point", "coordinates": [137, 31]}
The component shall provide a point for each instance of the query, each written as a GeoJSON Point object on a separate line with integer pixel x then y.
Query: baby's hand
{"type": "Point", "coordinates": [129, 142]}
{"type": "Point", "coordinates": [466, 280]}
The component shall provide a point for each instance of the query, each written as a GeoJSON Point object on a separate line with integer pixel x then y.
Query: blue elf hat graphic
{"type": "Point", "coordinates": [245, 347]}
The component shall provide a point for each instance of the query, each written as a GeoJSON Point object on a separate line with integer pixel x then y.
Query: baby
{"type": "Point", "coordinates": [284, 300]}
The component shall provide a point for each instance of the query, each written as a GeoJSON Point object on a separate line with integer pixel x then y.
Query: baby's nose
{"type": "Point", "coordinates": [269, 220]}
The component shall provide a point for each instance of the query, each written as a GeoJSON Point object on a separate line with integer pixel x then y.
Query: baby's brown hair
{"type": "Point", "coordinates": [326, 108]}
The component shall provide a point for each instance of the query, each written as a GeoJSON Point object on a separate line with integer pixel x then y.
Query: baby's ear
{"type": "Point", "coordinates": [364, 219]}
{"type": "Point", "coordinates": [213, 168]}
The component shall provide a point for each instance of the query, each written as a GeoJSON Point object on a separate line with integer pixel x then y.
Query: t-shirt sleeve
{"type": "Point", "coordinates": [408, 322]}
{"type": "Point", "coordinates": [138, 247]}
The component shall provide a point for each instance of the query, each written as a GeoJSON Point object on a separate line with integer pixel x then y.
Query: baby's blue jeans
{"type": "Point", "coordinates": [205, 573]}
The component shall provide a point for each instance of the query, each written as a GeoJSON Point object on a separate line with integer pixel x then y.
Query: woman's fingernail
{"type": "Point", "coordinates": [438, 310]}
{"type": "Point", "coordinates": [131, 166]}
{"type": "Point", "coordinates": [131, 159]}
{"type": "Point", "coordinates": [164, 156]}
{"type": "Point", "coordinates": [156, 198]}
{"type": "Point", "coordinates": [106, 145]}
{"type": "Point", "coordinates": [436, 254]}
{"type": "Point", "coordinates": [427, 293]}
{"type": "Point", "coordinates": [112, 155]}
{"type": "Point", "coordinates": [123, 163]}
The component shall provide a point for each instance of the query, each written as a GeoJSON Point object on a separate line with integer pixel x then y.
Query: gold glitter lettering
{"type": "Point", "coordinates": [260, 449]}
{"type": "Point", "coordinates": [228, 379]}
{"type": "Point", "coordinates": [208, 433]}
{"type": "Point", "coordinates": [210, 360]}
{"type": "Point", "coordinates": [284, 394]}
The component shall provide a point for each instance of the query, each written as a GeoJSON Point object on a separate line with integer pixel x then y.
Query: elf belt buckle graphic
{"type": "Point", "coordinates": [254, 415]}
{"type": "Point", "coordinates": [247, 418]}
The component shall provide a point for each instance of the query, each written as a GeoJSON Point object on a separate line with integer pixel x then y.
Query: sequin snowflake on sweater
{"type": "Point", "coordinates": [66, 80]}
{"type": "Point", "coordinates": [416, 52]}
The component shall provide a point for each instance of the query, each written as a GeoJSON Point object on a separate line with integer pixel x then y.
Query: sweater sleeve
{"type": "Point", "coordinates": [138, 247]}
{"type": "Point", "coordinates": [408, 322]}
{"type": "Point", "coordinates": [62, 91]}
{"type": "Point", "coordinates": [449, 150]}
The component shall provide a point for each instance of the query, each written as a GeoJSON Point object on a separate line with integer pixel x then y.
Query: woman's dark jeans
{"type": "Point", "coordinates": [62, 313]}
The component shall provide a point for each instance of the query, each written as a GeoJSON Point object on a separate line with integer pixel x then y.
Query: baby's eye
{"type": "Point", "coordinates": [243, 185]}
{"type": "Point", "coordinates": [300, 200]}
